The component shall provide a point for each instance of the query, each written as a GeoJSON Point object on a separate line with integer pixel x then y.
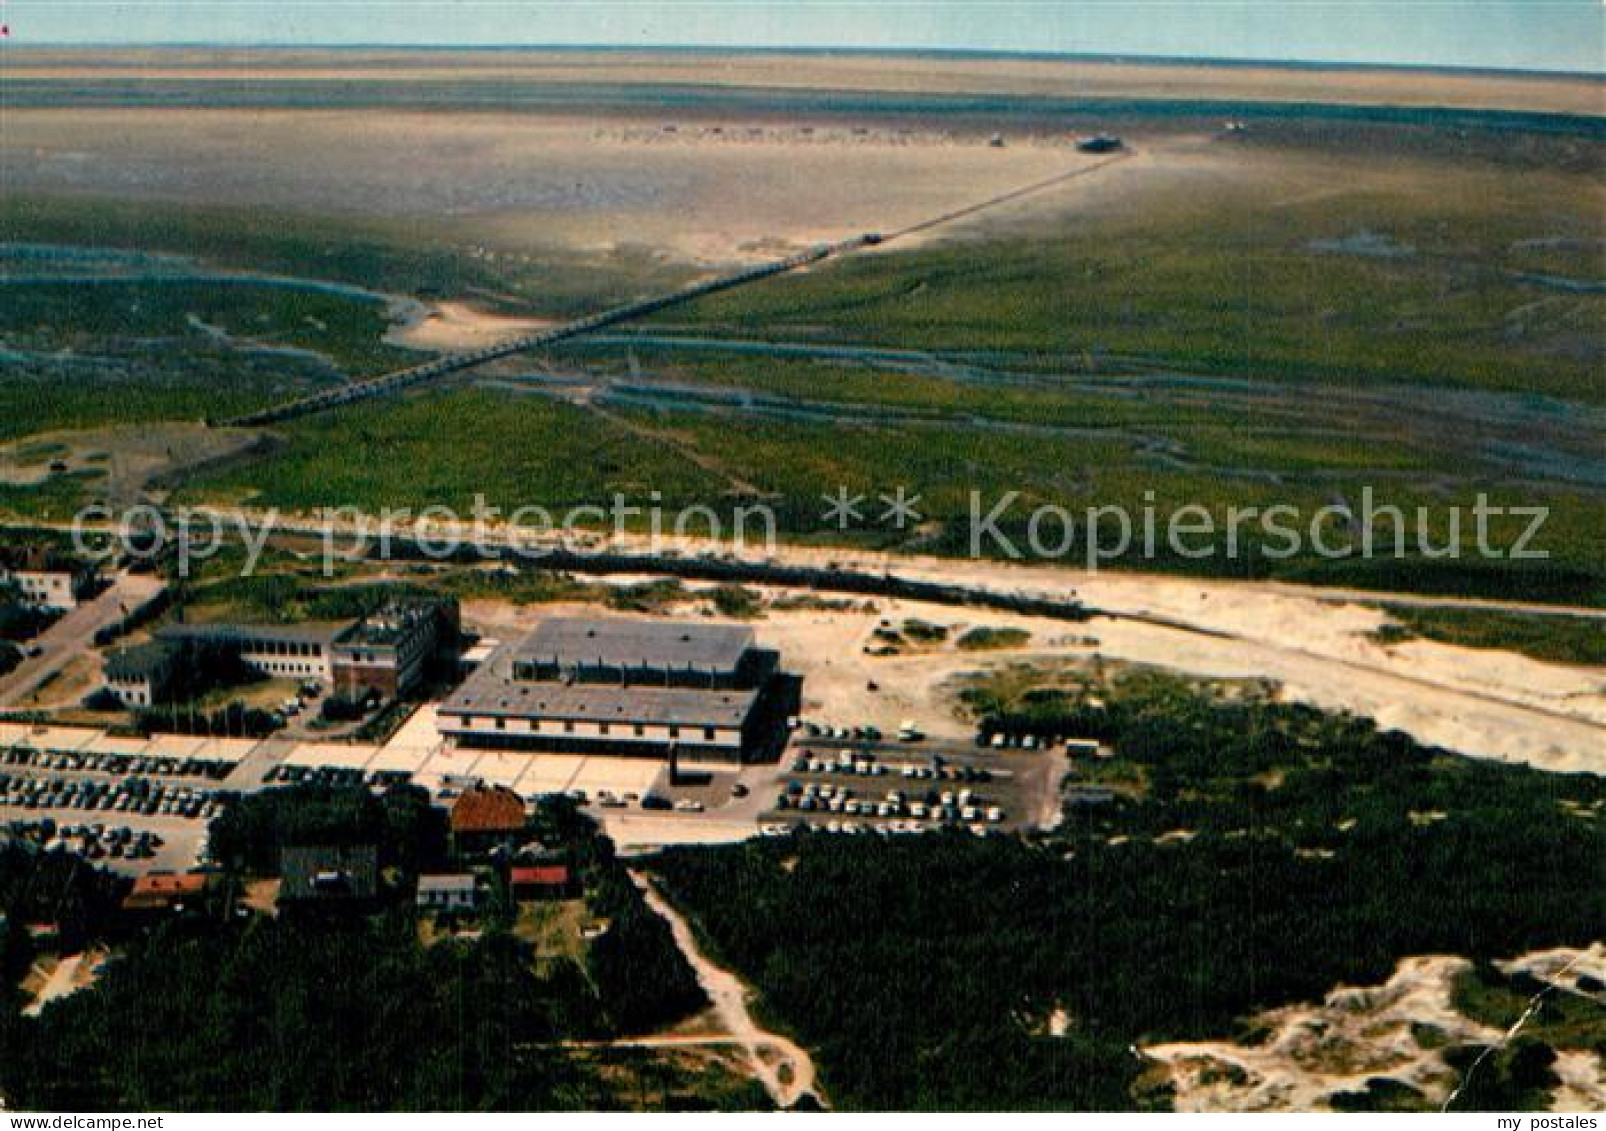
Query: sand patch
{"type": "Point", "coordinates": [449, 326]}
{"type": "Point", "coordinates": [1356, 1034]}
{"type": "Point", "coordinates": [515, 185]}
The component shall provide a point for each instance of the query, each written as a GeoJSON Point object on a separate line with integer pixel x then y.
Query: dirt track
{"type": "Point", "coordinates": [784, 1068]}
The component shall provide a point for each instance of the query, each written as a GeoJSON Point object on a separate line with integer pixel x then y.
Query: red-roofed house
{"type": "Point", "coordinates": [484, 818]}
{"type": "Point", "coordinates": [165, 891]}
{"type": "Point", "coordinates": [542, 881]}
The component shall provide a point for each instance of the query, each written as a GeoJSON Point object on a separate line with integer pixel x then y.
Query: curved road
{"type": "Point", "coordinates": [780, 1064]}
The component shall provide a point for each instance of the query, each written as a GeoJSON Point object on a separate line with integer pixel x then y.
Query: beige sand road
{"type": "Point", "coordinates": [58, 984]}
{"type": "Point", "coordinates": [634, 832]}
{"type": "Point", "coordinates": [784, 1068]}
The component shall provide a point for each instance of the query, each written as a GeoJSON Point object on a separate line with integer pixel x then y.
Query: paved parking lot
{"type": "Point", "coordinates": [84, 777]}
{"type": "Point", "coordinates": [178, 848]}
{"type": "Point", "coordinates": [914, 787]}
{"type": "Point", "coordinates": [114, 799]}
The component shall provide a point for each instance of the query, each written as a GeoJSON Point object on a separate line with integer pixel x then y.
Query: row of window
{"type": "Point", "coordinates": [280, 648]}
{"type": "Point", "coordinates": [710, 734]}
{"type": "Point", "coordinates": [280, 668]}
{"type": "Point", "coordinates": [387, 659]}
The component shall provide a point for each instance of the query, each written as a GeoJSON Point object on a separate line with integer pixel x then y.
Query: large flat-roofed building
{"type": "Point", "coordinates": [384, 652]}
{"type": "Point", "coordinates": [301, 651]}
{"type": "Point", "coordinates": [630, 687]}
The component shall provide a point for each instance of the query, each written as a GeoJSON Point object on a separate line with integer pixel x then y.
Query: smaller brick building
{"type": "Point", "coordinates": [486, 818]}
{"type": "Point", "coordinates": [166, 893]}
{"type": "Point", "coordinates": [542, 882]}
{"type": "Point", "coordinates": [386, 651]}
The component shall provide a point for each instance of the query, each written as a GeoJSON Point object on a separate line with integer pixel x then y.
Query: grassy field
{"type": "Point", "coordinates": [1229, 326]}
{"type": "Point", "coordinates": [1562, 639]}
{"type": "Point", "coordinates": [1373, 270]}
{"type": "Point", "coordinates": [130, 351]}
{"type": "Point", "coordinates": [55, 500]}
{"type": "Point", "coordinates": [441, 259]}
{"type": "Point", "coordinates": [448, 447]}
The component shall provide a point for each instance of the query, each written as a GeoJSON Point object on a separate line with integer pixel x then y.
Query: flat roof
{"type": "Point", "coordinates": [463, 881]}
{"type": "Point", "coordinates": [312, 632]}
{"type": "Point", "coordinates": [141, 661]}
{"type": "Point", "coordinates": [622, 642]}
{"type": "Point", "coordinates": [493, 692]}
{"type": "Point", "coordinates": [389, 625]}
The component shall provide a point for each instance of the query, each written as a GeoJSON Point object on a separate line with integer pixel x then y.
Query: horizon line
{"type": "Point", "coordinates": [812, 49]}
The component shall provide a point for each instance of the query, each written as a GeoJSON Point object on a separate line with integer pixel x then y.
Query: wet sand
{"type": "Point", "coordinates": [905, 73]}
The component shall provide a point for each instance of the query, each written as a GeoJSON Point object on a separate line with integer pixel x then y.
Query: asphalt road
{"type": "Point", "coordinates": [74, 634]}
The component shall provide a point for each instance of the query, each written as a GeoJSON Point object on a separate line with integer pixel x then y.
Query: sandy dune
{"type": "Point", "coordinates": [1486, 704]}
{"type": "Point", "coordinates": [1359, 1033]}
{"type": "Point", "coordinates": [454, 326]}
{"type": "Point", "coordinates": [1481, 703]}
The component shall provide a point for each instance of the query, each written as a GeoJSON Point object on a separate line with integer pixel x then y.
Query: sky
{"type": "Point", "coordinates": [1557, 35]}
